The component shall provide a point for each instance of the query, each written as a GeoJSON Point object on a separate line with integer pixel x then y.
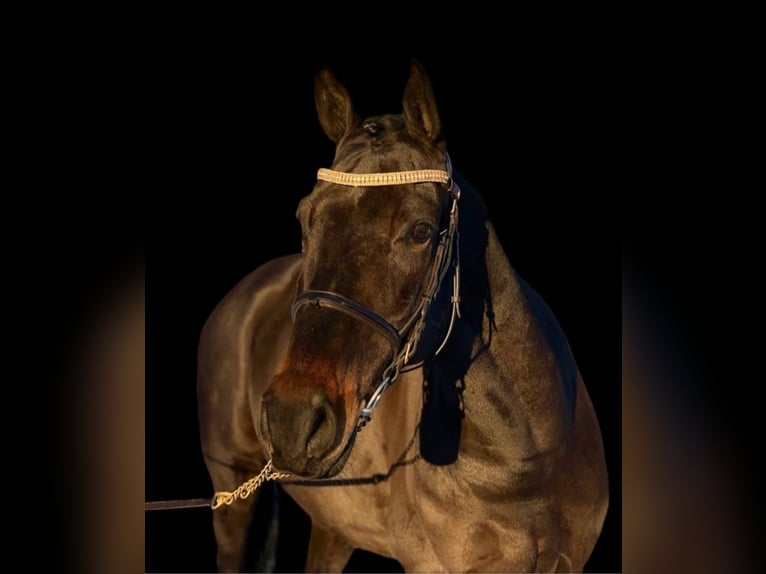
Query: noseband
{"type": "Point", "coordinates": [404, 341]}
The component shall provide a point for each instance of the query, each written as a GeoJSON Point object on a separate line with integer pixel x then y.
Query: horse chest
{"type": "Point", "coordinates": [359, 514]}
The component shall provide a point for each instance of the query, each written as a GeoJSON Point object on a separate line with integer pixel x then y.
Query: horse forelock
{"type": "Point", "coordinates": [384, 144]}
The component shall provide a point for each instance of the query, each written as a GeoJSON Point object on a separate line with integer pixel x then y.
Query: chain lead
{"type": "Point", "coordinates": [246, 489]}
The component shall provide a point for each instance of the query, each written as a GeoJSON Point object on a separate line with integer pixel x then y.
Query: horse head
{"type": "Point", "coordinates": [373, 252]}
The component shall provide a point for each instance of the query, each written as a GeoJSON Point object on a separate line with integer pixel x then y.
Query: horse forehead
{"type": "Point", "coordinates": [344, 205]}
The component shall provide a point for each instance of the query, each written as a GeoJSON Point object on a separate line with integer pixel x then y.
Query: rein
{"type": "Point", "coordinates": [404, 340]}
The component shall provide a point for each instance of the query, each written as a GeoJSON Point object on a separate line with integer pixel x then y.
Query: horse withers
{"type": "Point", "coordinates": [484, 442]}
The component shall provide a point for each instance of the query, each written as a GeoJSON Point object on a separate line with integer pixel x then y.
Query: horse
{"type": "Point", "coordinates": [484, 451]}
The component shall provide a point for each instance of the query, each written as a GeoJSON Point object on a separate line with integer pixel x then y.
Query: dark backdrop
{"type": "Point", "coordinates": [235, 144]}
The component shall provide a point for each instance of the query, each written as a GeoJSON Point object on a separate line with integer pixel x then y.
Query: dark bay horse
{"type": "Point", "coordinates": [505, 464]}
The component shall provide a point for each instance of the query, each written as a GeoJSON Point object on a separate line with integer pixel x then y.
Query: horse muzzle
{"type": "Point", "coordinates": [302, 431]}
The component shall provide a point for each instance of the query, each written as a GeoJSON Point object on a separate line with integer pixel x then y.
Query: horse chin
{"type": "Point", "coordinates": [341, 460]}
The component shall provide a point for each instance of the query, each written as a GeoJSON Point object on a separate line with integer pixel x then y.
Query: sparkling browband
{"type": "Point", "coordinates": [379, 179]}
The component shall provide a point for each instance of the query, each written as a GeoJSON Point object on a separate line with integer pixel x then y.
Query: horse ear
{"type": "Point", "coordinates": [419, 103]}
{"type": "Point", "coordinates": [336, 114]}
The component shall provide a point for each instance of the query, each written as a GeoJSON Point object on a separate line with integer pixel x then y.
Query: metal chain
{"type": "Point", "coordinates": [268, 473]}
{"type": "Point", "coordinates": [246, 489]}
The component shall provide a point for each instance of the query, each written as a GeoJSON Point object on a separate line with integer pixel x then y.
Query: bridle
{"type": "Point", "coordinates": [404, 341]}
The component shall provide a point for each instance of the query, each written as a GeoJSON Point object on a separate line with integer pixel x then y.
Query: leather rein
{"type": "Point", "coordinates": [404, 341]}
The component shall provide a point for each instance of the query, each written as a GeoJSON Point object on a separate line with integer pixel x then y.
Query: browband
{"type": "Point", "coordinates": [380, 179]}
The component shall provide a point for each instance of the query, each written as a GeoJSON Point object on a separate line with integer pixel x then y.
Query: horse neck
{"type": "Point", "coordinates": [513, 390]}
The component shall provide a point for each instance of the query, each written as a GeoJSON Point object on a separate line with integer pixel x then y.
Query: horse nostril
{"type": "Point", "coordinates": [319, 419]}
{"type": "Point", "coordinates": [264, 422]}
{"type": "Point", "coordinates": [322, 430]}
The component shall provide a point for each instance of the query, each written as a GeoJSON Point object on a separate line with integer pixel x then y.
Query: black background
{"type": "Point", "coordinates": [607, 130]}
{"type": "Point", "coordinates": [235, 144]}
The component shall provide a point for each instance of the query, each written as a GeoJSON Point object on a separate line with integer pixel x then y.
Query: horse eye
{"type": "Point", "coordinates": [422, 232]}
